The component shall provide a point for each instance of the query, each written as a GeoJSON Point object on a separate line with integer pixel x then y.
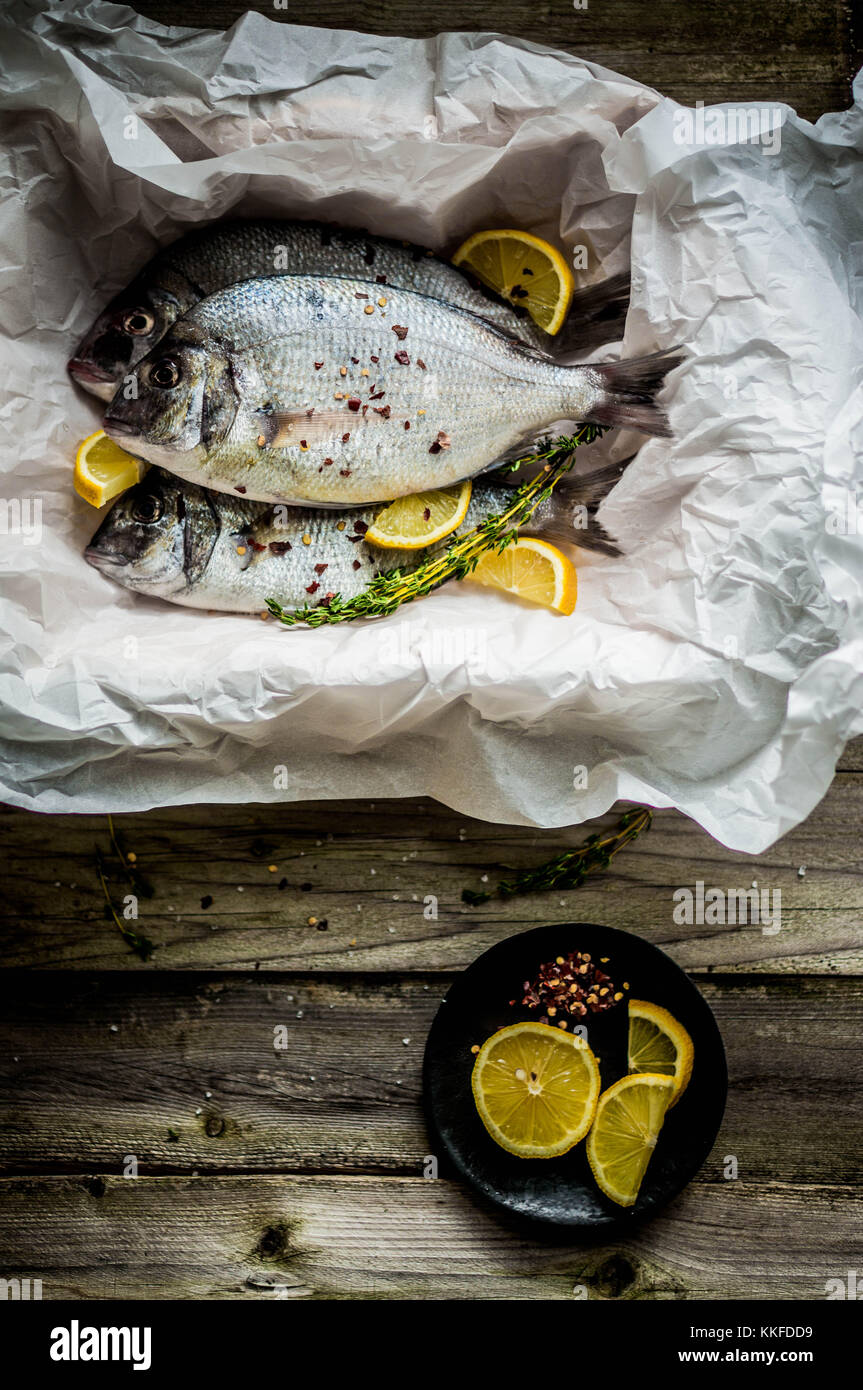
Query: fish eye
{"type": "Point", "coordinates": [138, 321]}
{"type": "Point", "coordinates": [147, 509]}
{"type": "Point", "coordinates": [165, 373]}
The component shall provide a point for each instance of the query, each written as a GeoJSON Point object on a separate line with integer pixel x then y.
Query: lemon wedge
{"type": "Point", "coordinates": [620, 1145]}
{"type": "Point", "coordinates": [103, 470]}
{"type": "Point", "coordinates": [659, 1044]}
{"type": "Point", "coordinates": [532, 570]}
{"type": "Point", "coordinates": [411, 523]}
{"type": "Point", "coordinates": [524, 269]}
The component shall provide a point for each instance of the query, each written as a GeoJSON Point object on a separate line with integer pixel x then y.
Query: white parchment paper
{"type": "Point", "coordinates": [718, 667]}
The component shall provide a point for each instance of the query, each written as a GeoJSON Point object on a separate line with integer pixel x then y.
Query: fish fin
{"type": "Point", "coordinates": [631, 387]}
{"type": "Point", "coordinates": [596, 315]}
{"type": "Point", "coordinates": [570, 517]}
{"type": "Point", "coordinates": [282, 427]}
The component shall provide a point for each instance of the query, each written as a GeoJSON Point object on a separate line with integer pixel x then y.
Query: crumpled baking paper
{"type": "Point", "coordinates": [718, 667]}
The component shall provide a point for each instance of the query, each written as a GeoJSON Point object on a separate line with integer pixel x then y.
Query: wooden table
{"type": "Point", "coordinates": [300, 1173]}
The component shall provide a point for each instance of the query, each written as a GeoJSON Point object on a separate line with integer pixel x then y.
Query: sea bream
{"type": "Point", "coordinates": [324, 392]}
{"type": "Point", "coordinates": [219, 255]}
{"type": "Point", "coordinates": [179, 542]}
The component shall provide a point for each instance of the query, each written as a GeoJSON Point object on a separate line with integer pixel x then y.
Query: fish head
{"type": "Point", "coordinates": [179, 402]}
{"type": "Point", "coordinates": [158, 537]}
{"type": "Point", "coordinates": [126, 331]}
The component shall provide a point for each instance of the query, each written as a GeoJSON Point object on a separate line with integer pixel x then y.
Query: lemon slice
{"type": "Point", "coordinates": [620, 1145]}
{"type": "Point", "coordinates": [532, 570]}
{"type": "Point", "coordinates": [523, 269]}
{"type": "Point", "coordinates": [535, 1088]}
{"type": "Point", "coordinates": [103, 470]}
{"type": "Point", "coordinates": [410, 523]}
{"type": "Point", "coordinates": [659, 1044]}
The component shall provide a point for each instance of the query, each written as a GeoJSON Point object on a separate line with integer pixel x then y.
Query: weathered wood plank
{"type": "Point", "coordinates": [181, 1072]}
{"type": "Point", "coordinates": [373, 1237]}
{"type": "Point", "coordinates": [793, 51]}
{"type": "Point", "coordinates": [369, 884]}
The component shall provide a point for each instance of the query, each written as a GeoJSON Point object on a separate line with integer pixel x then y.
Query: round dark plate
{"type": "Point", "coordinates": [562, 1191]}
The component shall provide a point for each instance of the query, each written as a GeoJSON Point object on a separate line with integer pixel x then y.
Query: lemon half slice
{"type": "Point", "coordinates": [103, 470]}
{"type": "Point", "coordinates": [533, 570]}
{"type": "Point", "coordinates": [536, 1089]}
{"type": "Point", "coordinates": [524, 269]}
{"type": "Point", "coordinates": [659, 1044]}
{"type": "Point", "coordinates": [411, 523]}
{"type": "Point", "coordinates": [620, 1145]}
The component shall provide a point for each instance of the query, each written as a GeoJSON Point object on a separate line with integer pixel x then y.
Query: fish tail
{"type": "Point", "coordinates": [569, 516]}
{"type": "Point", "coordinates": [596, 315]}
{"type": "Point", "coordinates": [630, 388]}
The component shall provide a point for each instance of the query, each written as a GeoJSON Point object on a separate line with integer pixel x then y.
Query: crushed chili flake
{"type": "Point", "coordinates": [345, 472]}
{"type": "Point", "coordinates": [361, 527]}
{"type": "Point", "coordinates": [380, 279]}
{"type": "Point", "coordinates": [421, 363]}
{"type": "Point", "coordinates": [346, 437]}
{"type": "Point", "coordinates": [319, 569]}
{"type": "Point", "coordinates": [327, 463]}
{"type": "Point", "coordinates": [357, 565]}
{"type": "Point", "coordinates": [400, 331]}
{"type": "Point", "coordinates": [312, 588]}
{"type": "Point", "coordinates": [318, 366]}
{"type": "Point", "coordinates": [358, 294]}
{"type": "Point", "coordinates": [239, 489]}
{"type": "Point", "coordinates": [407, 424]}
{"type": "Point", "coordinates": [355, 361]}
{"type": "Point", "coordinates": [402, 357]}
{"type": "Point", "coordinates": [374, 359]}
{"type": "Point", "coordinates": [280, 547]}
{"type": "Point", "coordinates": [383, 410]}
{"type": "Point", "coordinates": [434, 448]}
{"type": "Point", "coordinates": [376, 395]}
{"type": "Point", "coordinates": [354, 403]}
{"type": "Point", "coordinates": [427, 514]}
{"type": "Point", "coordinates": [572, 985]}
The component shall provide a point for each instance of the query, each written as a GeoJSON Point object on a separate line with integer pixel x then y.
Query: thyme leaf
{"type": "Point", "coordinates": [571, 868]}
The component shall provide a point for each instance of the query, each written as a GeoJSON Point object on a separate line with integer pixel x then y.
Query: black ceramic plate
{"type": "Point", "coordinates": [562, 1191]}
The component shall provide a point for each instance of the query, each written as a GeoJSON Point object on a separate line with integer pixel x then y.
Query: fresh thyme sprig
{"type": "Point", "coordinates": [571, 868]}
{"type": "Point", "coordinates": [389, 591]}
{"type": "Point", "coordinates": [141, 945]}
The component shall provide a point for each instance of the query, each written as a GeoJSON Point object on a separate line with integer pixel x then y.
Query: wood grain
{"type": "Point", "coordinates": [799, 51]}
{"type": "Point", "coordinates": [182, 1073]}
{"type": "Point", "coordinates": [368, 881]}
{"type": "Point", "coordinates": [373, 1237]}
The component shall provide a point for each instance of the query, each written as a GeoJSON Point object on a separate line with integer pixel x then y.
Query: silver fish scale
{"type": "Point", "coordinates": [409, 427]}
{"type": "Point", "coordinates": [217, 256]}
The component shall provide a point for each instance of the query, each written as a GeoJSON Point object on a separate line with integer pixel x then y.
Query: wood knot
{"type": "Point", "coordinates": [214, 1126]}
{"type": "Point", "coordinates": [615, 1276]}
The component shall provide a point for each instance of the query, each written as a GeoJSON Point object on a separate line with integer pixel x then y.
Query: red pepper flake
{"type": "Point", "coordinates": [345, 472]}
{"type": "Point", "coordinates": [239, 489]}
{"type": "Point", "coordinates": [421, 363]}
{"type": "Point", "coordinates": [374, 359]}
{"type": "Point", "coordinates": [400, 332]}
{"type": "Point", "coordinates": [346, 437]}
{"type": "Point", "coordinates": [279, 547]}
{"type": "Point", "coordinates": [358, 294]}
{"type": "Point", "coordinates": [361, 527]}
{"type": "Point", "coordinates": [435, 448]}
{"type": "Point", "coordinates": [571, 985]}
{"type": "Point", "coordinates": [407, 424]}
{"type": "Point", "coordinates": [327, 463]}
{"type": "Point", "coordinates": [318, 366]}
{"type": "Point", "coordinates": [376, 395]}
{"type": "Point", "coordinates": [365, 408]}
{"type": "Point", "coordinates": [357, 565]}
{"type": "Point", "coordinates": [319, 569]}
{"type": "Point", "coordinates": [402, 357]}
{"type": "Point", "coordinates": [312, 588]}
{"type": "Point", "coordinates": [304, 444]}
{"type": "Point", "coordinates": [380, 279]}
{"type": "Point", "coordinates": [355, 361]}
{"type": "Point", "coordinates": [256, 545]}
{"type": "Point", "coordinates": [443, 439]}
{"type": "Point", "coordinates": [427, 514]}
{"type": "Point", "coordinates": [383, 410]}
{"type": "Point", "coordinates": [354, 403]}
